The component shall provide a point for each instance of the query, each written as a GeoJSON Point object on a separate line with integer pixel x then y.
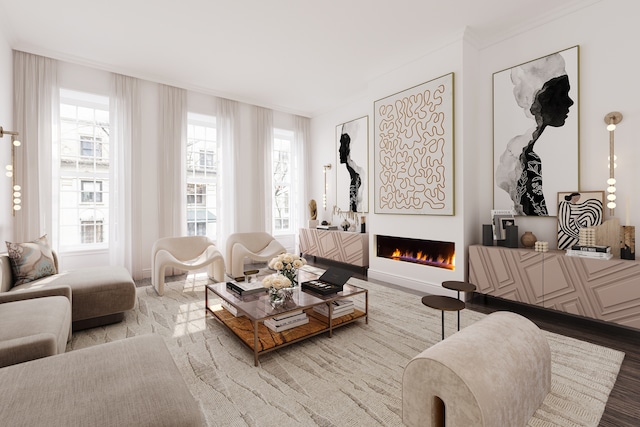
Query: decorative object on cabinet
{"type": "Point", "coordinates": [16, 201]}
{"type": "Point", "coordinates": [612, 119]}
{"type": "Point", "coordinates": [352, 177]}
{"type": "Point", "coordinates": [325, 168]}
{"type": "Point", "coordinates": [528, 239]}
{"type": "Point", "coordinates": [576, 211]}
{"type": "Point", "coordinates": [608, 234]}
{"type": "Point", "coordinates": [545, 90]}
{"type": "Point", "coordinates": [500, 219]}
{"type": "Point", "coordinates": [628, 242]}
{"type": "Point", "coordinates": [414, 139]}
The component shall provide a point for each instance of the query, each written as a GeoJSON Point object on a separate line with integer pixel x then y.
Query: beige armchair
{"type": "Point", "coordinates": [258, 246]}
{"type": "Point", "coordinates": [185, 253]}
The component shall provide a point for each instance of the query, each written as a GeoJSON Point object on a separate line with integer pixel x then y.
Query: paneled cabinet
{"type": "Point", "coordinates": [342, 246]}
{"type": "Point", "coordinates": [606, 290]}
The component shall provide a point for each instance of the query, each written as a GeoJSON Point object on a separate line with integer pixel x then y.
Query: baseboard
{"type": "Point", "coordinates": [412, 284]}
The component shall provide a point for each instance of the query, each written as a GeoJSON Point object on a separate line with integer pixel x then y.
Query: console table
{"type": "Point", "coordinates": [342, 246]}
{"type": "Point", "coordinates": [606, 290]}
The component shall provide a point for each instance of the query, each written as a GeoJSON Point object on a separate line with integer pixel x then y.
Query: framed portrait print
{"type": "Point", "coordinates": [413, 140]}
{"type": "Point", "coordinates": [535, 133]}
{"type": "Point", "coordinates": [577, 210]}
{"type": "Point", "coordinates": [352, 177]}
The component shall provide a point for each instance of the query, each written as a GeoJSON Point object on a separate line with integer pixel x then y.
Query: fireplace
{"type": "Point", "coordinates": [426, 252]}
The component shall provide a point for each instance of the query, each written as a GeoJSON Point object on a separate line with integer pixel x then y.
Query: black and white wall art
{"type": "Point", "coordinates": [577, 210]}
{"type": "Point", "coordinates": [352, 178]}
{"type": "Point", "coordinates": [535, 133]}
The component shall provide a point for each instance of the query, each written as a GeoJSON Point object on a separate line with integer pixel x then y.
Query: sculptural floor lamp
{"type": "Point", "coordinates": [324, 194]}
{"type": "Point", "coordinates": [612, 119]}
{"type": "Point", "coordinates": [11, 171]}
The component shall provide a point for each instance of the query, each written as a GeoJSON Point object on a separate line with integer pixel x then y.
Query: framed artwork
{"type": "Point", "coordinates": [500, 220]}
{"type": "Point", "coordinates": [413, 134]}
{"type": "Point", "coordinates": [577, 210]}
{"type": "Point", "coordinates": [352, 177]}
{"type": "Point", "coordinates": [535, 133]}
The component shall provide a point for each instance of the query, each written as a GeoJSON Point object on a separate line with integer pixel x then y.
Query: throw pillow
{"type": "Point", "coordinates": [31, 261]}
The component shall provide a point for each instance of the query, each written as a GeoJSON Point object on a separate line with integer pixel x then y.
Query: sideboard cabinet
{"type": "Point", "coordinates": [342, 246]}
{"type": "Point", "coordinates": [606, 290]}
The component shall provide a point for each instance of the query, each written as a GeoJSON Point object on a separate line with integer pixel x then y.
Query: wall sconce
{"type": "Point", "coordinates": [612, 119]}
{"type": "Point", "coordinates": [11, 171]}
{"type": "Point", "coordinates": [324, 195]}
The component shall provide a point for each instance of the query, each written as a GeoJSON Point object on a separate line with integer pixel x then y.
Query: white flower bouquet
{"type": "Point", "coordinates": [276, 281]}
{"type": "Point", "coordinates": [288, 265]}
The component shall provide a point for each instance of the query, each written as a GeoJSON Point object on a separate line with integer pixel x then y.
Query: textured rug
{"type": "Point", "coordinates": [351, 379]}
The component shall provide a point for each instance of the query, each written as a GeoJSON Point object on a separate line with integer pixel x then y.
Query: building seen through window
{"type": "Point", "coordinates": [82, 163]}
{"type": "Point", "coordinates": [202, 175]}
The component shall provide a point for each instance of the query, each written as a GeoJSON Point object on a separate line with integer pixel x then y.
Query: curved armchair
{"type": "Point", "coordinates": [258, 246]}
{"type": "Point", "coordinates": [185, 253]}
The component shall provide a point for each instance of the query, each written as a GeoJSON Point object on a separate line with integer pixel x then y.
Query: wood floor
{"type": "Point", "coordinates": [623, 406]}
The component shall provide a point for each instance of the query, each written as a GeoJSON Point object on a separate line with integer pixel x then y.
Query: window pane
{"type": "Point", "coordinates": [201, 167]}
{"type": "Point", "coordinates": [281, 179]}
{"type": "Point", "coordinates": [83, 184]}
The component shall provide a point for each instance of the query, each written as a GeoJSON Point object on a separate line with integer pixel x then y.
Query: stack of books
{"type": "Point", "coordinates": [594, 251]}
{"type": "Point", "coordinates": [287, 321]}
{"type": "Point", "coordinates": [244, 288]}
{"type": "Point", "coordinates": [340, 308]}
{"type": "Point", "coordinates": [231, 309]}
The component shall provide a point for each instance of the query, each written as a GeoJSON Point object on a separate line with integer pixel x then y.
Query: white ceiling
{"type": "Point", "coordinates": [298, 56]}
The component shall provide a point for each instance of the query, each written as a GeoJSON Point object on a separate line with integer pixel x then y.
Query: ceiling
{"type": "Point", "coordinates": [299, 56]}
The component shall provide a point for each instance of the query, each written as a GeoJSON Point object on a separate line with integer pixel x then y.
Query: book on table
{"type": "Point", "coordinates": [340, 308]}
{"type": "Point", "coordinates": [244, 288]}
{"type": "Point", "coordinates": [301, 319]}
{"type": "Point", "coordinates": [231, 309]}
{"type": "Point", "coordinates": [587, 254]}
{"type": "Point", "coordinates": [593, 248]}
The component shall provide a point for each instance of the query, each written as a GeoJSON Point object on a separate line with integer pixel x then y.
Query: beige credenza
{"type": "Point", "coordinates": [607, 290]}
{"type": "Point", "coordinates": [342, 246]}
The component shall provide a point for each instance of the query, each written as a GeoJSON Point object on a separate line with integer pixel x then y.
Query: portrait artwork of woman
{"type": "Point", "coordinates": [541, 88]}
{"type": "Point", "coordinates": [574, 215]}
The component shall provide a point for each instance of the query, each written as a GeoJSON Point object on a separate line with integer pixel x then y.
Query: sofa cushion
{"type": "Point", "coordinates": [97, 291]}
{"type": "Point", "coordinates": [33, 328]}
{"type": "Point", "coordinates": [130, 382]}
{"type": "Point", "coordinates": [31, 261]}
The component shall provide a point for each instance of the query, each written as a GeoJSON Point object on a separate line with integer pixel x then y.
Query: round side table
{"type": "Point", "coordinates": [460, 287]}
{"type": "Point", "coordinates": [443, 303]}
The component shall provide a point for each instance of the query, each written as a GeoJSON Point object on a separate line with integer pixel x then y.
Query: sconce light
{"type": "Point", "coordinates": [11, 171]}
{"type": "Point", "coordinates": [612, 119]}
{"type": "Point", "coordinates": [324, 195]}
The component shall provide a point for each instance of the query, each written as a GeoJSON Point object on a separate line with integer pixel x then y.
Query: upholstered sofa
{"type": "Point", "coordinates": [130, 382]}
{"type": "Point", "coordinates": [100, 295]}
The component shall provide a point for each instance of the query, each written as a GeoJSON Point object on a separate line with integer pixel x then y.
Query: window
{"type": "Point", "coordinates": [91, 191]}
{"type": "Point", "coordinates": [202, 175]}
{"type": "Point", "coordinates": [82, 162]}
{"type": "Point", "coordinates": [281, 167]}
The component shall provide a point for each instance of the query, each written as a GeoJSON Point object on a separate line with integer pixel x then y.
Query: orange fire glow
{"type": "Point", "coordinates": [422, 258]}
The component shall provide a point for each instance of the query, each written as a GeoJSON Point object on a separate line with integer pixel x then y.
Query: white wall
{"type": "Point", "coordinates": [607, 33]}
{"type": "Point", "coordinates": [6, 121]}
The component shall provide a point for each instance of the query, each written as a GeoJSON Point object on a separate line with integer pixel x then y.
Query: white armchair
{"type": "Point", "coordinates": [258, 246]}
{"type": "Point", "coordinates": [185, 253]}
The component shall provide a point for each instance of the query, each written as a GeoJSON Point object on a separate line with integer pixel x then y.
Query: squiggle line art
{"type": "Point", "coordinates": [414, 152]}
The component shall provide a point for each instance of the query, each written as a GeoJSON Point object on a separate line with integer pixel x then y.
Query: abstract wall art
{"type": "Point", "coordinates": [577, 210]}
{"type": "Point", "coordinates": [352, 177]}
{"type": "Point", "coordinates": [535, 133]}
{"type": "Point", "coordinates": [414, 150]}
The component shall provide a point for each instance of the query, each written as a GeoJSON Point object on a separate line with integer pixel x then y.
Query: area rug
{"type": "Point", "coordinates": [351, 379]}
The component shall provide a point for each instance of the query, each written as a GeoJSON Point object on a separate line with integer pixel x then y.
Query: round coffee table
{"type": "Point", "coordinates": [443, 303]}
{"type": "Point", "coordinates": [460, 287]}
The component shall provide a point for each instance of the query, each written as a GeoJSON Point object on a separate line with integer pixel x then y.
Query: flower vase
{"type": "Point", "coordinates": [276, 297]}
{"type": "Point", "coordinates": [291, 275]}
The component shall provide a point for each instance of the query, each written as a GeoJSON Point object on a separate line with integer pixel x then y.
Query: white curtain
{"type": "Point", "coordinates": [227, 118]}
{"type": "Point", "coordinates": [125, 181]}
{"type": "Point", "coordinates": [171, 173]}
{"type": "Point", "coordinates": [264, 119]}
{"type": "Point", "coordinates": [301, 139]}
{"type": "Point", "coordinates": [35, 104]}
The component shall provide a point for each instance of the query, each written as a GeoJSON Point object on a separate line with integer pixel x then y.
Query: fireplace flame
{"type": "Point", "coordinates": [424, 258]}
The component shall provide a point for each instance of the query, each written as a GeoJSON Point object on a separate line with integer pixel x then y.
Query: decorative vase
{"type": "Point", "coordinates": [528, 239]}
{"type": "Point", "coordinates": [291, 275]}
{"type": "Point", "coordinates": [279, 298]}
